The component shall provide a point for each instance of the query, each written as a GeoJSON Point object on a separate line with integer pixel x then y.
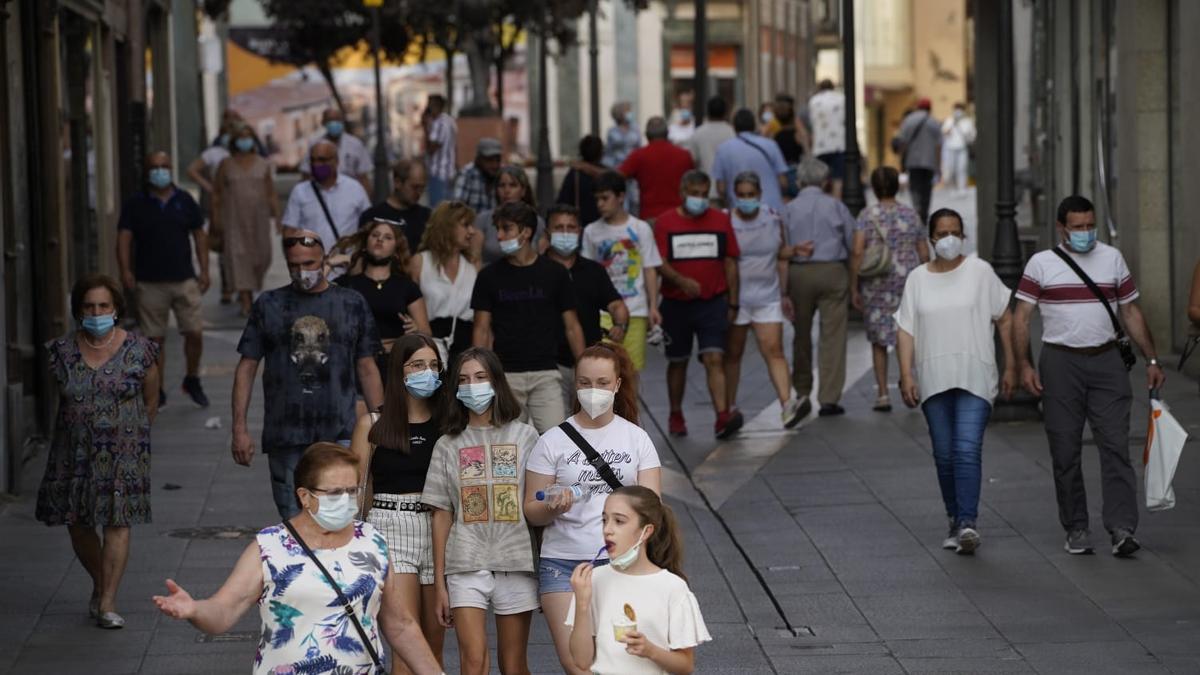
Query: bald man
{"type": "Point", "coordinates": [330, 203]}
{"type": "Point", "coordinates": [353, 158]}
{"type": "Point", "coordinates": [155, 256]}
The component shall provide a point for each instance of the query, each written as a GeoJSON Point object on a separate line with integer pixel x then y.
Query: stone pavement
{"type": "Point", "coordinates": [820, 553]}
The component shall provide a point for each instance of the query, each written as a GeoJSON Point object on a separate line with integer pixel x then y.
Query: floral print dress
{"type": "Point", "coordinates": [98, 469]}
{"type": "Point", "coordinates": [881, 294]}
{"type": "Point", "coordinates": [304, 628]}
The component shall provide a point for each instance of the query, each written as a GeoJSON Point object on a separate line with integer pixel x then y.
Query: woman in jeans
{"type": "Point", "coordinates": [948, 365]}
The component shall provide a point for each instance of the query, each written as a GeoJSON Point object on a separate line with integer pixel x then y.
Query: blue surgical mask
{"type": "Point", "coordinates": [629, 118]}
{"type": "Point", "coordinates": [98, 326]}
{"type": "Point", "coordinates": [422, 384]}
{"type": "Point", "coordinates": [685, 116]}
{"type": "Point", "coordinates": [564, 242]}
{"type": "Point", "coordinates": [695, 205]}
{"type": "Point", "coordinates": [334, 512]}
{"type": "Point", "coordinates": [159, 177]}
{"type": "Point", "coordinates": [747, 206]}
{"type": "Point", "coordinates": [334, 128]}
{"type": "Point", "coordinates": [476, 395]}
{"type": "Point", "coordinates": [510, 246]}
{"type": "Point", "coordinates": [245, 144]}
{"type": "Point", "coordinates": [223, 141]}
{"type": "Point", "coordinates": [1082, 242]}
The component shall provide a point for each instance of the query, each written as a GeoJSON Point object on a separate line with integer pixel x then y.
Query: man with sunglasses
{"type": "Point", "coordinates": [331, 203]}
{"type": "Point", "coordinates": [318, 340]}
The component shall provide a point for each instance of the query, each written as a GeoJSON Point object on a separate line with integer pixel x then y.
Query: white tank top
{"type": "Point", "coordinates": [445, 298]}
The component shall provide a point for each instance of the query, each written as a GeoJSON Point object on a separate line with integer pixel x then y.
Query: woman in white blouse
{"type": "Point", "coordinates": [445, 268]}
{"type": "Point", "coordinates": [948, 365]}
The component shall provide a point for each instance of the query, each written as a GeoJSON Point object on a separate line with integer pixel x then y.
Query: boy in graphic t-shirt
{"type": "Point", "coordinates": [625, 246]}
{"type": "Point", "coordinates": [700, 296]}
{"type": "Point", "coordinates": [520, 301]}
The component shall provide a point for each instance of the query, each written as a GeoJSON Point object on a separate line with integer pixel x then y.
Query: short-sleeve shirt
{"type": "Point", "coordinates": [526, 304]}
{"type": "Point", "coordinates": [625, 251]}
{"type": "Point", "coordinates": [950, 315]}
{"type": "Point", "coordinates": [827, 115]}
{"type": "Point", "coordinates": [1071, 315]}
{"type": "Point", "coordinates": [479, 476]}
{"type": "Point", "coordinates": [593, 292]}
{"type": "Point", "coordinates": [394, 471]}
{"type": "Point", "coordinates": [657, 167]}
{"type": "Point", "coordinates": [353, 158]}
{"type": "Point", "coordinates": [412, 220]}
{"type": "Point", "coordinates": [311, 344]}
{"type": "Point", "coordinates": [759, 241]}
{"type": "Point", "coordinates": [387, 300]}
{"type": "Point", "coordinates": [346, 201]}
{"type": "Point", "coordinates": [923, 136]}
{"type": "Point", "coordinates": [697, 248]}
{"type": "Point", "coordinates": [576, 534]}
{"type": "Point", "coordinates": [162, 231]}
{"type": "Point", "coordinates": [822, 219]}
{"type": "Point", "coordinates": [443, 162]}
{"type": "Point", "coordinates": [751, 152]}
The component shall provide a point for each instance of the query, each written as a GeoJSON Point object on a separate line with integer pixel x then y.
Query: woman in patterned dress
{"type": "Point", "coordinates": [879, 297]}
{"type": "Point", "coordinates": [98, 471]}
{"type": "Point", "coordinates": [305, 628]}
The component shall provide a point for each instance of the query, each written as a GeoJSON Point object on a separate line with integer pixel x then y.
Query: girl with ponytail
{"type": "Point", "coordinates": [604, 424]}
{"type": "Point", "coordinates": [636, 615]}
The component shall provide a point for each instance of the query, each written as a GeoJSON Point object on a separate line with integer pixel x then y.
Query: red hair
{"type": "Point", "coordinates": [625, 404]}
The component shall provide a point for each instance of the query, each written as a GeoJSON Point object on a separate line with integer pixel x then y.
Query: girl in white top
{"type": "Point", "coordinates": [445, 270]}
{"type": "Point", "coordinates": [606, 416]}
{"type": "Point", "coordinates": [637, 614]}
{"type": "Point", "coordinates": [945, 323]}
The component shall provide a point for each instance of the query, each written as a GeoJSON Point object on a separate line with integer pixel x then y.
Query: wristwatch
{"type": "Point", "coordinates": [1152, 361]}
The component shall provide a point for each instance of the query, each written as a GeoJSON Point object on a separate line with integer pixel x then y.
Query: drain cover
{"type": "Point", "coordinates": [214, 532]}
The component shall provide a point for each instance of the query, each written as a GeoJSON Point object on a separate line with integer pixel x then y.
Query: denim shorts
{"type": "Point", "coordinates": [554, 574]}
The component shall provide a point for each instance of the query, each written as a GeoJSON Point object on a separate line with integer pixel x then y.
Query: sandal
{"type": "Point", "coordinates": [883, 404]}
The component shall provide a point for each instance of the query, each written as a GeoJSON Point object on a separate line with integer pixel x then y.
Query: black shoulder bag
{"type": "Point", "coordinates": [332, 225]}
{"type": "Point", "coordinates": [593, 457]}
{"type": "Point", "coordinates": [1123, 343]}
{"type": "Point", "coordinates": [346, 605]}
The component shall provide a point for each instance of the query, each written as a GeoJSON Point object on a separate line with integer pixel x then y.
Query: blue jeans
{"type": "Point", "coordinates": [956, 421]}
{"type": "Point", "coordinates": [282, 463]}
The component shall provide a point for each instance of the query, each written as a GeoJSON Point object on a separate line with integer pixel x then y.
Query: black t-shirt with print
{"type": "Point", "coordinates": [310, 344]}
{"type": "Point", "coordinates": [387, 300]}
{"type": "Point", "coordinates": [395, 472]}
{"type": "Point", "coordinates": [526, 304]}
{"type": "Point", "coordinates": [594, 290]}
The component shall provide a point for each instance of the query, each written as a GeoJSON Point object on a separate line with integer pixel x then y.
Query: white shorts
{"type": "Point", "coordinates": [409, 536]}
{"type": "Point", "coordinates": [506, 592]}
{"type": "Point", "coordinates": [769, 313]}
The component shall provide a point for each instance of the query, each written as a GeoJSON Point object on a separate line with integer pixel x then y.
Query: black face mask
{"type": "Point", "coordinates": [377, 262]}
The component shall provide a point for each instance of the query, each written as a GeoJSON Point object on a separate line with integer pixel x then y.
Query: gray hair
{"type": "Point", "coordinates": [750, 177]}
{"type": "Point", "coordinates": [812, 172]}
{"type": "Point", "coordinates": [656, 128]}
{"type": "Point", "coordinates": [694, 177]}
{"type": "Point", "coordinates": [618, 110]}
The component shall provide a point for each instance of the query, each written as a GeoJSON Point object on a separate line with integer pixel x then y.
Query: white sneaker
{"type": "Point", "coordinates": [950, 543]}
{"type": "Point", "coordinates": [968, 541]}
{"type": "Point", "coordinates": [794, 411]}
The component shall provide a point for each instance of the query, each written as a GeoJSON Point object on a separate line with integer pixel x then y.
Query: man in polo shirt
{"type": "Point", "coordinates": [748, 151]}
{"type": "Point", "coordinates": [1082, 374]}
{"type": "Point", "coordinates": [657, 167]}
{"type": "Point", "coordinates": [155, 257]}
{"type": "Point", "coordinates": [700, 297]}
{"type": "Point", "coordinates": [330, 204]}
{"type": "Point", "coordinates": [475, 185]}
{"type": "Point", "coordinates": [440, 150]}
{"type": "Point", "coordinates": [353, 158]}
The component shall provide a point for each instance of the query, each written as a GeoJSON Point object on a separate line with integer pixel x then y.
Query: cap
{"type": "Point", "coordinates": [924, 104]}
{"type": "Point", "coordinates": [488, 147]}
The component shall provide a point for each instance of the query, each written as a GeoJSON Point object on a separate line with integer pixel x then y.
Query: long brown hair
{"type": "Point", "coordinates": [664, 547]}
{"type": "Point", "coordinates": [518, 174]}
{"type": "Point", "coordinates": [391, 431]}
{"type": "Point", "coordinates": [357, 244]}
{"type": "Point", "coordinates": [625, 403]}
{"type": "Point", "coordinates": [438, 237]}
{"type": "Point", "coordinates": [505, 407]}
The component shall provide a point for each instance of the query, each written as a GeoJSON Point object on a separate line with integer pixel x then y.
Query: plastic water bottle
{"type": "Point", "coordinates": [578, 494]}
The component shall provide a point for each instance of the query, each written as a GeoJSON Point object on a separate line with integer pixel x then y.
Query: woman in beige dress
{"type": "Point", "coordinates": [244, 204]}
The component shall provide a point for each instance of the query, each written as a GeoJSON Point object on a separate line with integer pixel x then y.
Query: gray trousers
{"type": "Point", "coordinates": [1095, 388]}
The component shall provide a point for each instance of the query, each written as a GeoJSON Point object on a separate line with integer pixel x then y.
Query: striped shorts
{"type": "Point", "coordinates": [409, 537]}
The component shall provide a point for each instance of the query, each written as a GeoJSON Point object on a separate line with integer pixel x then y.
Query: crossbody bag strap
{"type": "Point", "coordinates": [346, 604]}
{"type": "Point", "coordinates": [757, 147]}
{"type": "Point", "coordinates": [1093, 288]}
{"type": "Point", "coordinates": [593, 457]}
{"type": "Point", "coordinates": [320, 198]}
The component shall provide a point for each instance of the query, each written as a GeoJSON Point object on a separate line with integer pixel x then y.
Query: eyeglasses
{"type": "Point", "coordinates": [337, 492]}
{"type": "Point", "coordinates": [435, 366]}
{"type": "Point", "coordinates": [307, 242]}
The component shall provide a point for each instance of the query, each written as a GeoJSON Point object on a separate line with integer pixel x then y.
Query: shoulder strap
{"type": "Point", "coordinates": [756, 146]}
{"type": "Point", "coordinates": [1093, 288]}
{"type": "Point", "coordinates": [346, 605]}
{"type": "Point", "coordinates": [593, 457]}
{"type": "Point", "coordinates": [320, 198]}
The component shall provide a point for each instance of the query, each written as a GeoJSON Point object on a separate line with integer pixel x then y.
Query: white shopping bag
{"type": "Point", "coordinates": [1164, 444]}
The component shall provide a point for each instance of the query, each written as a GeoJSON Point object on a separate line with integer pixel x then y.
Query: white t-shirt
{"type": "Point", "coordinates": [577, 534]}
{"type": "Point", "coordinates": [346, 201]}
{"type": "Point", "coordinates": [625, 251]}
{"type": "Point", "coordinates": [353, 158]}
{"type": "Point", "coordinates": [666, 610]}
{"type": "Point", "coordinates": [950, 315]}
{"type": "Point", "coordinates": [1072, 316]}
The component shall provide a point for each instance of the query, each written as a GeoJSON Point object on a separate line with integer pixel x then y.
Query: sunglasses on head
{"type": "Point", "coordinates": [307, 242]}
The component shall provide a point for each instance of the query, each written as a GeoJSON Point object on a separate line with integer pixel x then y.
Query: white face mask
{"type": "Point", "coordinates": [334, 512]}
{"type": "Point", "coordinates": [949, 248]}
{"type": "Point", "coordinates": [306, 280]}
{"type": "Point", "coordinates": [595, 402]}
{"type": "Point", "coordinates": [628, 558]}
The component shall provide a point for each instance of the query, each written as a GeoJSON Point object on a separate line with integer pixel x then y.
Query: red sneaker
{"type": "Point", "coordinates": [728, 423]}
{"type": "Point", "coordinates": [676, 424]}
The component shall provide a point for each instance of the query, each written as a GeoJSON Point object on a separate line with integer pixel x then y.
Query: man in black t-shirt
{"type": "Point", "coordinates": [402, 206]}
{"type": "Point", "coordinates": [594, 291]}
{"type": "Point", "coordinates": [521, 301]}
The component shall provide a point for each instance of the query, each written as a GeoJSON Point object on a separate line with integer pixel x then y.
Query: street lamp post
{"type": "Point", "coordinates": [382, 177]}
{"type": "Point", "coordinates": [545, 165]}
{"type": "Point", "coordinates": [700, 40]}
{"type": "Point", "coordinates": [852, 187]}
{"type": "Point", "coordinates": [594, 67]}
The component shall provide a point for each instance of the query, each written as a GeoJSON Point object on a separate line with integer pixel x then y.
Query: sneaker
{"type": "Point", "coordinates": [191, 387]}
{"type": "Point", "coordinates": [794, 411]}
{"type": "Point", "coordinates": [968, 540]}
{"type": "Point", "coordinates": [1079, 542]}
{"type": "Point", "coordinates": [950, 543]}
{"type": "Point", "coordinates": [676, 424]}
{"type": "Point", "coordinates": [831, 410]}
{"type": "Point", "coordinates": [1124, 545]}
{"type": "Point", "coordinates": [728, 423]}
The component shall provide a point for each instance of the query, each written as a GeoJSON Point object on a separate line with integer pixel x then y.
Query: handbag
{"type": "Point", "coordinates": [877, 259]}
{"type": "Point", "coordinates": [346, 605]}
{"type": "Point", "coordinates": [1123, 343]}
{"type": "Point", "coordinates": [593, 457]}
